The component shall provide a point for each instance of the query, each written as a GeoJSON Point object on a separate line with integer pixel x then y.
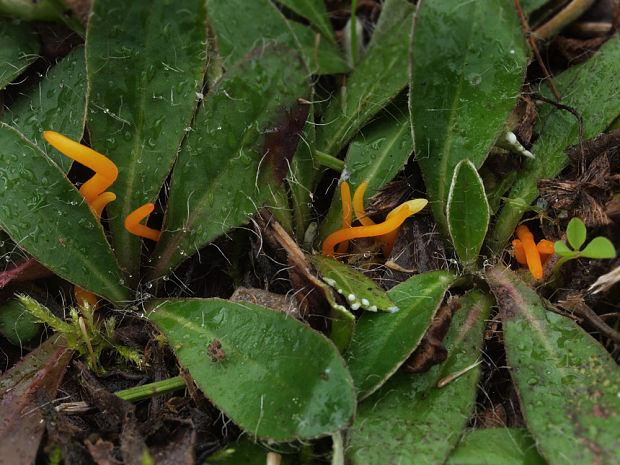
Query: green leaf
{"type": "Point", "coordinates": [378, 77]}
{"type": "Point", "coordinates": [588, 88]}
{"type": "Point", "coordinates": [567, 382]}
{"type": "Point", "coordinates": [239, 32]}
{"type": "Point", "coordinates": [16, 324]}
{"type": "Point", "coordinates": [383, 341]}
{"type": "Point", "coordinates": [315, 12]}
{"type": "Point", "coordinates": [463, 90]}
{"type": "Point", "coordinates": [302, 178]}
{"type": "Point", "coordinates": [46, 216]}
{"type": "Point", "coordinates": [599, 247]}
{"type": "Point", "coordinates": [576, 233]}
{"type": "Point", "coordinates": [468, 212]}
{"type": "Point", "coordinates": [411, 420]}
{"type": "Point", "coordinates": [19, 47]}
{"type": "Point", "coordinates": [280, 380]}
{"type": "Point", "coordinates": [562, 249]}
{"type": "Point", "coordinates": [57, 103]}
{"type": "Point", "coordinates": [146, 63]}
{"type": "Point", "coordinates": [375, 156]}
{"type": "Point", "coordinates": [493, 446]}
{"type": "Point", "coordinates": [246, 452]}
{"type": "Point", "coordinates": [238, 151]}
{"type": "Point", "coordinates": [358, 290]}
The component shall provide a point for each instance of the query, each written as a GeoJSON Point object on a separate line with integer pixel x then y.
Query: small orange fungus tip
{"type": "Point", "coordinates": [82, 296]}
{"type": "Point", "coordinates": [101, 201]}
{"type": "Point", "coordinates": [105, 170]}
{"type": "Point", "coordinates": [132, 223]}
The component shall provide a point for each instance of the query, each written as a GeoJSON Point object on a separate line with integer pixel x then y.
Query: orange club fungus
{"type": "Point", "coordinates": [132, 223]}
{"type": "Point", "coordinates": [385, 232]}
{"type": "Point", "coordinates": [92, 190]}
{"type": "Point", "coordinates": [527, 252]}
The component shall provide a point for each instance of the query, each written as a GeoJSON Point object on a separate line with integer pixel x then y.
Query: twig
{"type": "Point", "coordinates": [530, 38]}
{"type": "Point", "coordinates": [571, 12]}
{"type": "Point", "coordinates": [579, 120]}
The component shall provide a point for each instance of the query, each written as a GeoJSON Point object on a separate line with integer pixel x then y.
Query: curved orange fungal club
{"type": "Point", "coordinates": [345, 195]}
{"type": "Point", "coordinates": [358, 206]}
{"type": "Point", "coordinates": [394, 219]}
{"type": "Point", "coordinates": [132, 223]}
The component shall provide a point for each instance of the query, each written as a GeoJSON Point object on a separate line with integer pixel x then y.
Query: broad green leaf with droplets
{"type": "Point", "coordinates": [279, 379]}
{"type": "Point", "coordinates": [383, 341]}
{"type": "Point", "coordinates": [567, 382]}
{"type": "Point", "coordinates": [315, 12]}
{"type": "Point", "coordinates": [46, 216]}
{"type": "Point", "coordinates": [377, 78]}
{"type": "Point", "coordinates": [411, 420]}
{"type": "Point", "coordinates": [468, 212]}
{"type": "Point", "coordinates": [239, 32]}
{"type": "Point", "coordinates": [375, 156]}
{"type": "Point", "coordinates": [57, 103]}
{"type": "Point", "coordinates": [19, 47]}
{"type": "Point", "coordinates": [591, 90]}
{"type": "Point", "coordinates": [358, 290]}
{"type": "Point", "coordinates": [146, 63]}
{"type": "Point", "coordinates": [237, 153]}
{"type": "Point", "coordinates": [494, 446]}
{"type": "Point", "coordinates": [463, 90]}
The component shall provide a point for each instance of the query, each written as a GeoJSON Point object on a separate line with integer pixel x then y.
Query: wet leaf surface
{"type": "Point", "coordinates": [567, 382]}
{"type": "Point", "coordinates": [492, 446]}
{"type": "Point", "coordinates": [21, 426]}
{"type": "Point", "coordinates": [313, 11]}
{"type": "Point", "coordinates": [57, 103]}
{"type": "Point", "coordinates": [468, 212]}
{"type": "Point", "coordinates": [239, 32]}
{"type": "Point", "coordinates": [47, 216]}
{"type": "Point", "coordinates": [377, 78]}
{"type": "Point", "coordinates": [383, 341]}
{"type": "Point", "coordinates": [146, 63]}
{"type": "Point", "coordinates": [277, 379]}
{"type": "Point", "coordinates": [459, 108]}
{"type": "Point", "coordinates": [19, 47]}
{"type": "Point", "coordinates": [410, 419]}
{"type": "Point", "coordinates": [239, 150]}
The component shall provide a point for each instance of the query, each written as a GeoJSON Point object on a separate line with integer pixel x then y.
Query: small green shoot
{"type": "Point", "coordinates": [82, 333]}
{"type": "Point", "coordinates": [599, 247]}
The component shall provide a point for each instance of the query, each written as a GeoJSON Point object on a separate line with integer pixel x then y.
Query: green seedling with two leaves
{"type": "Point", "coordinates": [599, 247]}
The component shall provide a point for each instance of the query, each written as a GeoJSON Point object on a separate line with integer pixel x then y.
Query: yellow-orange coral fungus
{"type": "Point", "coordinates": [532, 256]}
{"type": "Point", "coordinates": [105, 170]}
{"type": "Point", "coordinates": [394, 219]}
{"type": "Point", "coordinates": [132, 222]}
{"type": "Point", "coordinates": [358, 205]}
